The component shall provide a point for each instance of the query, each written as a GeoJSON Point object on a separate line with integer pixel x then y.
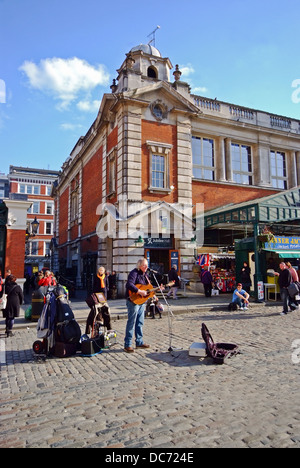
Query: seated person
{"type": "Point", "coordinates": [240, 297]}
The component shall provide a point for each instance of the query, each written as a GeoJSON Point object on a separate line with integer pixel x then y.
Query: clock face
{"type": "Point", "coordinates": [157, 111]}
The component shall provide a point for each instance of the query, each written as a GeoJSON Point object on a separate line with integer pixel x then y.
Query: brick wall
{"type": "Point", "coordinates": [15, 252]}
{"type": "Point", "coordinates": [63, 217]}
{"type": "Point", "coordinates": [162, 133]}
{"type": "Point", "coordinates": [215, 196]}
{"type": "Point", "coordinates": [91, 192]}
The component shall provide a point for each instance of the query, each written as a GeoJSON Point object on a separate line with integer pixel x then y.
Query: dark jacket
{"type": "Point", "coordinates": [97, 286]}
{"type": "Point", "coordinates": [14, 300]}
{"type": "Point", "coordinates": [172, 275]}
{"type": "Point", "coordinates": [206, 277]}
{"type": "Point", "coordinates": [135, 277]}
{"type": "Point", "coordinates": [285, 278]}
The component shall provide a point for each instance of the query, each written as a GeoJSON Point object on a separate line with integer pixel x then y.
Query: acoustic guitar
{"type": "Point", "coordinates": [137, 299]}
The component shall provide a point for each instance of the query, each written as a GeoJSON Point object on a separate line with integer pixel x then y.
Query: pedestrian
{"type": "Point", "coordinates": [47, 280]}
{"type": "Point", "coordinates": [245, 277]}
{"type": "Point", "coordinates": [136, 312]}
{"type": "Point", "coordinates": [284, 280]}
{"type": "Point", "coordinates": [101, 282]}
{"type": "Point", "coordinates": [173, 277]}
{"type": "Point", "coordinates": [240, 297]}
{"type": "Point", "coordinates": [14, 300]}
{"type": "Point", "coordinates": [293, 272]}
{"type": "Point", "coordinates": [112, 281]}
{"type": "Point", "coordinates": [207, 281]}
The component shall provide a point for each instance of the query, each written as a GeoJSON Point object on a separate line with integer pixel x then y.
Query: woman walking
{"type": "Point", "coordinates": [14, 300]}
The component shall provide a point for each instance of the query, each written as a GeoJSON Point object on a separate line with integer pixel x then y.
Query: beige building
{"type": "Point", "coordinates": [154, 153]}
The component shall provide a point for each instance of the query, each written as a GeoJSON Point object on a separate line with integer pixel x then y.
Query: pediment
{"type": "Point", "coordinates": [167, 94]}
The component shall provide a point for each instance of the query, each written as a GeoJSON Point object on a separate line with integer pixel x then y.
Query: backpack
{"type": "Point", "coordinates": [232, 307]}
{"type": "Point", "coordinates": [63, 310]}
{"type": "Point", "coordinates": [68, 332]}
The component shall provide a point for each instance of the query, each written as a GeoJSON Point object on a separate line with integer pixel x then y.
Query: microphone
{"type": "Point", "coordinates": [153, 271]}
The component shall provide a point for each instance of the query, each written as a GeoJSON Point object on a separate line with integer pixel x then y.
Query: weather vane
{"type": "Point", "coordinates": [152, 35]}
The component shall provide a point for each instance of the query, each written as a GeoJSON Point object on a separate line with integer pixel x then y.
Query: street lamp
{"type": "Point", "coordinates": [34, 226]}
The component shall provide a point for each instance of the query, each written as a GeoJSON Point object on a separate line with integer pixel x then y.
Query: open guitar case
{"type": "Point", "coordinates": [219, 352]}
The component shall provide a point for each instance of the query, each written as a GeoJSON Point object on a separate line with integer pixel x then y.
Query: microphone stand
{"type": "Point", "coordinates": [170, 314]}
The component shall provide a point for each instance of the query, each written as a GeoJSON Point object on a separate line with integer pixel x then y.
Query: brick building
{"type": "Point", "coordinates": [35, 186]}
{"type": "Point", "coordinates": [153, 152]}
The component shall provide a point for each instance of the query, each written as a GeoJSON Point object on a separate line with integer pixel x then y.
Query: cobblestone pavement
{"type": "Point", "coordinates": [156, 398]}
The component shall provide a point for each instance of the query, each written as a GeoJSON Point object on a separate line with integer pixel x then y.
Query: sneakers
{"type": "Point", "coordinates": [283, 313]}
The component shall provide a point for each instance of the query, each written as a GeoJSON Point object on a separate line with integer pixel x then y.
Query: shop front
{"type": "Point", "coordinates": [266, 231]}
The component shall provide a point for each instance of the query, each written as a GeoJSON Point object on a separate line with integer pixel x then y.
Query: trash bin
{"type": "Point", "coordinates": [37, 303]}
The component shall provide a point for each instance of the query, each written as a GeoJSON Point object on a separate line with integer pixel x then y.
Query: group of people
{"type": "Point", "coordinates": [14, 297]}
{"type": "Point", "coordinates": [286, 276]}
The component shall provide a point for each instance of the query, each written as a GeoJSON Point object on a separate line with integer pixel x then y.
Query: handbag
{"type": "Point", "coordinates": [3, 300]}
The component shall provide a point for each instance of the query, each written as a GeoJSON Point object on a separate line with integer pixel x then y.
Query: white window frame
{"type": "Point", "coordinates": [202, 167]}
{"type": "Point", "coordinates": [162, 150]}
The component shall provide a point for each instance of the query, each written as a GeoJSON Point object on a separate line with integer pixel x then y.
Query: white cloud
{"type": "Point", "coordinates": [199, 89]}
{"type": "Point", "coordinates": [89, 106]}
{"type": "Point", "coordinates": [187, 70]}
{"type": "Point", "coordinates": [71, 127]}
{"type": "Point", "coordinates": [65, 79]}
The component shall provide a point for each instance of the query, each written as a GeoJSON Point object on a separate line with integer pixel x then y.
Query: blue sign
{"type": "Point", "coordinates": [284, 243]}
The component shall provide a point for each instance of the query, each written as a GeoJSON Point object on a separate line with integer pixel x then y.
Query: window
{"type": "Point", "coordinates": [47, 248]}
{"type": "Point", "coordinates": [158, 171]}
{"type": "Point", "coordinates": [34, 248]}
{"type": "Point", "coordinates": [278, 170]}
{"type": "Point", "coordinates": [49, 208]}
{"type": "Point", "coordinates": [241, 164]}
{"type": "Point", "coordinates": [35, 208]}
{"type": "Point", "coordinates": [159, 166]}
{"type": "Point", "coordinates": [151, 72]}
{"type": "Point", "coordinates": [48, 228]}
{"type": "Point", "coordinates": [74, 206]}
{"type": "Point", "coordinates": [112, 173]}
{"type": "Point", "coordinates": [29, 189]}
{"type": "Point", "coordinates": [203, 158]}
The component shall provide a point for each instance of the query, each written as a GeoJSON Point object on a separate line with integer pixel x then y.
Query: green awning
{"type": "Point", "coordinates": [285, 253]}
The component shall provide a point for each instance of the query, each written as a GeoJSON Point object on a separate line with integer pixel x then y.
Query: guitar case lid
{"type": "Point", "coordinates": [217, 351]}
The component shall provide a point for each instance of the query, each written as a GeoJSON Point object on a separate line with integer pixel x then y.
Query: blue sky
{"type": "Point", "coordinates": [57, 58]}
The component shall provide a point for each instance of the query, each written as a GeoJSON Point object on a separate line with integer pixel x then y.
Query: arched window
{"type": "Point", "coordinates": [152, 73]}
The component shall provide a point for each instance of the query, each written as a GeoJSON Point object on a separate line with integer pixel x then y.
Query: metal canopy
{"type": "Point", "coordinates": [278, 208]}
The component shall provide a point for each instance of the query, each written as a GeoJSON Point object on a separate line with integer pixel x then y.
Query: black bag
{"type": "Point", "coordinates": [62, 350]}
{"type": "Point", "coordinates": [63, 310]}
{"type": "Point", "coordinates": [68, 332]}
{"type": "Point", "coordinates": [232, 306]}
{"type": "Point", "coordinates": [92, 346]}
{"type": "Point", "coordinates": [217, 351]}
{"type": "Point", "coordinates": [293, 289]}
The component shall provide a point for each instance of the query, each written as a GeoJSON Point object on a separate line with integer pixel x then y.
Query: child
{"type": "Point", "coordinates": [240, 297]}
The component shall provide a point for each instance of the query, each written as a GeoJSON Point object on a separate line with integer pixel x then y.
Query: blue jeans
{"type": "Point", "coordinates": [285, 297]}
{"type": "Point", "coordinates": [135, 322]}
{"type": "Point", "coordinates": [240, 302]}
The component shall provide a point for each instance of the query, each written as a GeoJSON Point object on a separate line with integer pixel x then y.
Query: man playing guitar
{"type": "Point", "coordinates": [136, 311]}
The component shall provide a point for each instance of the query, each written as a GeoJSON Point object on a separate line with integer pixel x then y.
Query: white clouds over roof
{"type": "Point", "coordinates": [67, 80]}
